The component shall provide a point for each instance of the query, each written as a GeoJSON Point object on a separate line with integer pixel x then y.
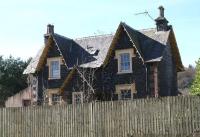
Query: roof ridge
{"type": "Point", "coordinates": [123, 23]}
{"type": "Point", "coordinates": [62, 36]}
{"type": "Point", "coordinates": [94, 36]}
{"type": "Point", "coordinates": [147, 29]}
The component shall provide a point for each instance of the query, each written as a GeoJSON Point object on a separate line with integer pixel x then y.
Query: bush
{"type": "Point", "coordinates": [195, 88]}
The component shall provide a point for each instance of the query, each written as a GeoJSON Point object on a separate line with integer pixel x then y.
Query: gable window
{"type": "Point", "coordinates": [125, 62]}
{"type": "Point", "coordinates": [54, 68]}
{"type": "Point", "coordinates": [124, 58]}
{"type": "Point", "coordinates": [77, 97]}
{"type": "Point", "coordinates": [126, 91]}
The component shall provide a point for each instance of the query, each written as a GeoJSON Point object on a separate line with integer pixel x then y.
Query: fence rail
{"type": "Point", "coordinates": [169, 116]}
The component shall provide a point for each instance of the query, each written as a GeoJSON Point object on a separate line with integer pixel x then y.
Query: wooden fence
{"type": "Point", "coordinates": [166, 117]}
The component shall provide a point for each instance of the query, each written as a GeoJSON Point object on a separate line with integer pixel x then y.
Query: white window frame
{"type": "Point", "coordinates": [58, 98]}
{"type": "Point", "coordinates": [49, 60]}
{"type": "Point", "coordinates": [50, 93]}
{"type": "Point", "coordinates": [74, 95]}
{"type": "Point", "coordinates": [121, 87]}
{"type": "Point", "coordinates": [117, 56]}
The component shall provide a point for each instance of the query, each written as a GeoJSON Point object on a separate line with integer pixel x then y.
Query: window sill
{"type": "Point", "coordinates": [54, 78]}
{"type": "Point", "coordinates": [125, 72]}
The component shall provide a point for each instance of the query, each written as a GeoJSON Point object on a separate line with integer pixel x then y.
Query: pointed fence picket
{"type": "Point", "coordinates": [153, 117]}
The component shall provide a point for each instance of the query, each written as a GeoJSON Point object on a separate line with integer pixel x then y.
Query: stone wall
{"type": "Point", "coordinates": [167, 74]}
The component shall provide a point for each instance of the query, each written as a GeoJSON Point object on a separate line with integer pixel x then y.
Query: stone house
{"type": "Point", "coordinates": [127, 65]}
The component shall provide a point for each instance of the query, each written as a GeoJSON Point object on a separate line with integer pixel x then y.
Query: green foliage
{"type": "Point", "coordinates": [11, 78]}
{"type": "Point", "coordinates": [195, 88]}
{"type": "Point", "coordinates": [185, 78]}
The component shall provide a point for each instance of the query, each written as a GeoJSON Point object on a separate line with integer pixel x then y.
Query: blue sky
{"type": "Point", "coordinates": [23, 22]}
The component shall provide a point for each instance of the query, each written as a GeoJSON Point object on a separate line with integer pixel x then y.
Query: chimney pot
{"type": "Point", "coordinates": [50, 29]}
{"type": "Point", "coordinates": [161, 8]}
{"type": "Point", "coordinates": [161, 21]}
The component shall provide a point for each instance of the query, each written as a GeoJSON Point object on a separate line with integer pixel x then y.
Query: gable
{"type": "Point", "coordinates": [121, 31]}
{"type": "Point", "coordinates": [39, 60]}
{"type": "Point", "coordinates": [123, 42]}
{"type": "Point", "coordinates": [53, 51]}
{"type": "Point", "coordinates": [95, 51]}
{"type": "Point", "coordinates": [44, 54]}
{"type": "Point", "coordinates": [149, 44]}
{"type": "Point", "coordinates": [72, 52]}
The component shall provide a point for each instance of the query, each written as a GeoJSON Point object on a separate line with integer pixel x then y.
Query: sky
{"type": "Point", "coordinates": [23, 22]}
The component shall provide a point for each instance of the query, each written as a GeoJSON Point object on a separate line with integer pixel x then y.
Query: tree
{"type": "Point", "coordinates": [195, 88]}
{"type": "Point", "coordinates": [12, 79]}
{"type": "Point", "coordinates": [185, 79]}
{"type": "Point", "coordinates": [87, 85]}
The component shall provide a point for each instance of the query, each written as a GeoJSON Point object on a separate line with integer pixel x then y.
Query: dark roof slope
{"type": "Point", "coordinates": [92, 51]}
{"type": "Point", "coordinates": [72, 52]}
{"type": "Point", "coordinates": [31, 68]}
{"type": "Point", "coordinates": [97, 47]}
{"type": "Point", "coordinates": [150, 43]}
{"type": "Point", "coordinates": [85, 52]}
{"type": "Point", "coordinates": [153, 43]}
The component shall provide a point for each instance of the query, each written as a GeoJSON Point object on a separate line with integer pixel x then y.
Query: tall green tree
{"type": "Point", "coordinates": [195, 88]}
{"type": "Point", "coordinates": [12, 79]}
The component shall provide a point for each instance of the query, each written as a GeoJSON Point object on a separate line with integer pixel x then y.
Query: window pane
{"type": "Point", "coordinates": [125, 61]}
{"type": "Point", "coordinates": [55, 98]}
{"type": "Point", "coordinates": [54, 70]}
{"type": "Point", "coordinates": [77, 98]}
{"type": "Point", "coordinates": [125, 94]}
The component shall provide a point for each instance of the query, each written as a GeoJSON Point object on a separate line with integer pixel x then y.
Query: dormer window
{"type": "Point", "coordinates": [54, 68]}
{"type": "Point", "coordinates": [124, 58]}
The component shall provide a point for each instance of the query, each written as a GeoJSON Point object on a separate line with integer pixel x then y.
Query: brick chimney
{"type": "Point", "coordinates": [161, 21]}
{"type": "Point", "coordinates": [161, 11]}
{"type": "Point", "coordinates": [50, 31]}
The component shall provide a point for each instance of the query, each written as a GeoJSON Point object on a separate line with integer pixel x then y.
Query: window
{"type": "Point", "coordinates": [26, 103]}
{"type": "Point", "coordinates": [77, 97]}
{"type": "Point", "coordinates": [54, 68]}
{"type": "Point", "coordinates": [124, 58]}
{"type": "Point", "coordinates": [56, 98]}
{"type": "Point", "coordinates": [125, 94]}
{"type": "Point", "coordinates": [53, 97]}
{"type": "Point", "coordinates": [124, 62]}
{"type": "Point", "coordinates": [126, 91]}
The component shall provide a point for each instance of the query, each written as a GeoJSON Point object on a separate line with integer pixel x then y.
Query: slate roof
{"type": "Point", "coordinates": [31, 68]}
{"type": "Point", "coordinates": [149, 42]}
{"type": "Point", "coordinates": [73, 53]}
{"type": "Point", "coordinates": [97, 46]}
{"type": "Point", "coordinates": [92, 51]}
{"type": "Point", "coordinates": [85, 52]}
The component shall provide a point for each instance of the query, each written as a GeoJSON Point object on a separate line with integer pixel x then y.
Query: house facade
{"type": "Point", "coordinates": [127, 65]}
